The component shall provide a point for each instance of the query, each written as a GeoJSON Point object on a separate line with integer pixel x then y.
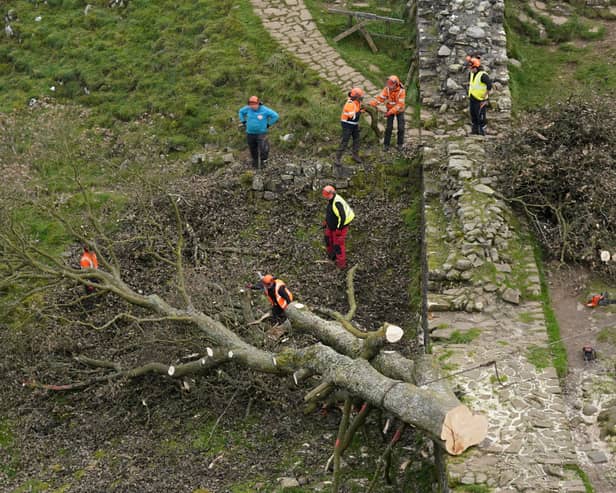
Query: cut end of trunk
{"type": "Point", "coordinates": [171, 371]}
{"type": "Point", "coordinates": [463, 429]}
{"type": "Point", "coordinates": [209, 351]}
{"type": "Point", "coordinates": [230, 354]}
{"type": "Point", "coordinates": [393, 333]}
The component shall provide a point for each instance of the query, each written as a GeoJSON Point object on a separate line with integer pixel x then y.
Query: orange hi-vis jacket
{"type": "Point", "coordinates": [394, 99]}
{"type": "Point", "coordinates": [282, 296]}
{"type": "Point", "coordinates": [88, 260]}
{"type": "Point", "coordinates": [351, 112]}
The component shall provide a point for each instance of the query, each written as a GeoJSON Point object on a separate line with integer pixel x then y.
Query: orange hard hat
{"type": "Point", "coordinates": [253, 100]}
{"type": "Point", "coordinates": [393, 81]}
{"type": "Point", "coordinates": [328, 191]}
{"type": "Point", "coordinates": [356, 93]}
{"type": "Point", "coordinates": [267, 279]}
{"type": "Point", "coordinates": [475, 62]}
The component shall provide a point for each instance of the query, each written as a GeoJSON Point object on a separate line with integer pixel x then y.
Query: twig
{"type": "Point", "coordinates": [344, 423]}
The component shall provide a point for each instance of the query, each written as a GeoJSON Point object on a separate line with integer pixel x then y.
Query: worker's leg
{"type": "Point", "coordinates": [474, 110]}
{"type": "Point", "coordinates": [355, 135]}
{"type": "Point", "coordinates": [339, 247]}
{"type": "Point", "coordinates": [253, 146]}
{"type": "Point", "coordinates": [347, 130]}
{"type": "Point", "coordinates": [263, 149]}
{"type": "Point", "coordinates": [278, 315]}
{"type": "Point", "coordinates": [482, 117]}
{"type": "Point", "coordinates": [389, 127]}
{"type": "Point", "coordinates": [400, 117]}
{"type": "Point", "coordinates": [329, 243]}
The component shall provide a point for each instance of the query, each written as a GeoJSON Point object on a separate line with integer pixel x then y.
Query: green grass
{"type": "Point", "coordinates": [557, 348]}
{"type": "Point", "coordinates": [191, 64]}
{"type": "Point", "coordinates": [553, 71]}
{"type": "Point", "coordinates": [583, 476]}
{"type": "Point", "coordinates": [393, 56]}
{"type": "Point", "coordinates": [539, 357]}
{"type": "Point", "coordinates": [466, 337]}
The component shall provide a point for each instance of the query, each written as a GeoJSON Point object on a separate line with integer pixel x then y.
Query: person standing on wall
{"type": "Point", "coordinates": [256, 118]}
{"type": "Point", "coordinates": [479, 88]}
{"type": "Point", "coordinates": [393, 96]}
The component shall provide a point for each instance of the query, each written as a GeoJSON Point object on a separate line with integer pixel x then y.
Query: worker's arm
{"type": "Point", "coordinates": [272, 117]}
{"type": "Point", "coordinates": [342, 218]}
{"type": "Point", "coordinates": [284, 293]}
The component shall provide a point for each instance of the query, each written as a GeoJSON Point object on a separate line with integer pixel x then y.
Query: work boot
{"type": "Point", "coordinates": [338, 171]}
{"type": "Point", "coordinates": [264, 163]}
{"type": "Point", "coordinates": [356, 158]}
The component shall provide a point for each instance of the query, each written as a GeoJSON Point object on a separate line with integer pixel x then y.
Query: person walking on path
{"type": "Point", "coordinates": [393, 96]}
{"type": "Point", "coordinates": [256, 118]}
{"type": "Point", "coordinates": [277, 293]}
{"type": "Point", "coordinates": [479, 88]}
{"type": "Point", "coordinates": [338, 216]}
{"type": "Point", "coordinates": [350, 126]}
{"type": "Point", "coordinates": [88, 260]}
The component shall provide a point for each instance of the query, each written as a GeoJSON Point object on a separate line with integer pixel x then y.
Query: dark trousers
{"type": "Point", "coordinates": [348, 131]}
{"type": "Point", "coordinates": [478, 111]}
{"type": "Point", "coordinates": [390, 127]}
{"type": "Point", "coordinates": [259, 148]}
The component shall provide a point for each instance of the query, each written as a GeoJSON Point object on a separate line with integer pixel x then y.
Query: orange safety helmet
{"type": "Point", "coordinates": [267, 279]}
{"type": "Point", "coordinates": [393, 81]}
{"type": "Point", "coordinates": [254, 100]}
{"type": "Point", "coordinates": [356, 93]}
{"type": "Point", "coordinates": [328, 191]}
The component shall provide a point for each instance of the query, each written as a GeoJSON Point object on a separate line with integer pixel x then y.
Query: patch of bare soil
{"type": "Point", "coordinates": [231, 430]}
{"type": "Point", "coordinates": [590, 386]}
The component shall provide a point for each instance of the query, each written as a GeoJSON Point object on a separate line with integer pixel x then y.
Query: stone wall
{"type": "Point", "coordinates": [447, 32]}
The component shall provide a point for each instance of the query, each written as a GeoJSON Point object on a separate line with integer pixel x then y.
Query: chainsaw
{"type": "Point", "coordinates": [602, 299]}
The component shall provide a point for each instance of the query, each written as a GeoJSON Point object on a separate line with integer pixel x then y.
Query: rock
{"type": "Point", "coordinates": [288, 482]}
{"type": "Point", "coordinates": [444, 51]}
{"type": "Point", "coordinates": [463, 264]}
{"type": "Point", "coordinates": [287, 137]}
{"type": "Point", "coordinates": [228, 158]}
{"type": "Point", "coordinates": [451, 85]}
{"type": "Point", "coordinates": [516, 63]}
{"type": "Point", "coordinates": [476, 32]}
{"type": "Point", "coordinates": [257, 183]}
{"type": "Point", "coordinates": [197, 158]}
{"type": "Point", "coordinates": [511, 295]}
{"type": "Point", "coordinates": [269, 195]}
{"type": "Point", "coordinates": [481, 188]}
{"type": "Point", "coordinates": [589, 410]}
{"type": "Point", "coordinates": [597, 457]}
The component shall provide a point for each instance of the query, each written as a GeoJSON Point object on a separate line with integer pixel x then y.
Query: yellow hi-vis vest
{"type": "Point", "coordinates": [476, 88]}
{"type": "Point", "coordinates": [348, 212]}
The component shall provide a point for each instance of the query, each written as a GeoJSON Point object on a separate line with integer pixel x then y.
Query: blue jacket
{"type": "Point", "coordinates": [257, 120]}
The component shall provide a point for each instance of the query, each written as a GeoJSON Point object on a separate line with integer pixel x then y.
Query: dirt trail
{"type": "Point", "coordinates": [588, 386]}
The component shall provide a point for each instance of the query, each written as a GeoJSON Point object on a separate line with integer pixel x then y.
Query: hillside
{"type": "Point", "coordinates": [118, 125]}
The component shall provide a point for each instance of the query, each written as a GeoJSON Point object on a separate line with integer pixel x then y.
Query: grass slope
{"type": "Point", "coordinates": [195, 62]}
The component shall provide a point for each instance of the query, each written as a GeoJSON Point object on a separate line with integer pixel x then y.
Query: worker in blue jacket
{"type": "Point", "coordinates": [256, 118]}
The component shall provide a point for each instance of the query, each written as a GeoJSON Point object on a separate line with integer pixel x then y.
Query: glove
{"type": "Point", "coordinates": [373, 103]}
{"type": "Point", "coordinates": [388, 114]}
{"type": "Point", "coordinates": [242, 125]}
{"type": "Point", "coordinates": [324, 224]}
{"type": "Point", "coordinates": [248, 286]}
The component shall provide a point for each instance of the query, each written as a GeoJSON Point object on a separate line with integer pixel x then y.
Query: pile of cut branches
{"type": "Point", "coordinates": [559, 167]}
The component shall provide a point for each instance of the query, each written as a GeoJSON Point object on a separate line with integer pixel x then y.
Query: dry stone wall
{"type": "Point", "coordinates": [447, 32]}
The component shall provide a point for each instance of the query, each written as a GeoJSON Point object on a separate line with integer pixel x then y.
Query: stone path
{"type": "Point", "coordinates": [483, 278]}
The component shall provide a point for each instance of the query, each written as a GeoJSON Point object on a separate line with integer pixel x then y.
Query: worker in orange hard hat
{"type": "Point", "coordinates": [393, 96]}
{"type": "Point", "coordinates": [88, 260]}
{"type": "Point", "coordinates": [338, 216]}
{"type": "Point", "coordinates": [256, 119]}
{"type": "Point", "coordinates": [349, 119]}
{"type": "Point", "coordinates": [277, 293]}
{"type": "Point", "coordinates": [479, 89]}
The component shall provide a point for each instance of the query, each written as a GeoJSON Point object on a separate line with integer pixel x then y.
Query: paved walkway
{"type": "Point", "coordinates": [529, 440]}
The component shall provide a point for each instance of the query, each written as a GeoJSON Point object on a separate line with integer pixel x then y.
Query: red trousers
{"type": "Point", "coordinates": [334, 239]}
